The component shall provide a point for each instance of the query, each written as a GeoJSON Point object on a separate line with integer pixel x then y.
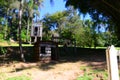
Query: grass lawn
{"type": "Point", "coordinates": [6, 43]}
{"type": "Point", "coordinates": [91, 74]}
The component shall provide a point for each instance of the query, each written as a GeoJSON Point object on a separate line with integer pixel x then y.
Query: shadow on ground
{"type": "Point", "coordinates": [91, 57]}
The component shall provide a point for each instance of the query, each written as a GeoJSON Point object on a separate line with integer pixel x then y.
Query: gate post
{"type": "Point", "coordinates": [112, 65]}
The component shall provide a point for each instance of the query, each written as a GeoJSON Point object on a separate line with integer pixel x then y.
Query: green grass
{"type": "Point", "coordinates": [85, 77]}
{"type": "Point", "coordinates": [91, 74]}
{"type": "Point", "coordinates": [4, 76]}
{"type": "Point", "coordinates": [22, 77]}
{"type": "Point", "coordinates": [7, 43]}
{"type": "Point", "coordinates": [22, 45]}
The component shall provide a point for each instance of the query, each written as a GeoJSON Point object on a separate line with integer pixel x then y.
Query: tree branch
{"type": "Point", "coordinates": [110, 6]}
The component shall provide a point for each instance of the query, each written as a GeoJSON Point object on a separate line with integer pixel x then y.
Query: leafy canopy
{"type": "Point", "coordinates": [100, 10]}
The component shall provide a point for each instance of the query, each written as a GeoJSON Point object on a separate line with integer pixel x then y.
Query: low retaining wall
{"type": "Point", "coordinates": [13, 52]}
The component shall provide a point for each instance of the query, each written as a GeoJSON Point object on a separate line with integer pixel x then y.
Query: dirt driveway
{"type": "Point", "coordinates": [55, 70]}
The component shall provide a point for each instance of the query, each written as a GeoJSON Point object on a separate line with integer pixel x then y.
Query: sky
{"type": "Point", "coordinates": [58, 5]}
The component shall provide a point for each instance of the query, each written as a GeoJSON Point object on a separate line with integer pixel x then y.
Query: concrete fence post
{"type": "Point", "coordinates": [112, 65]}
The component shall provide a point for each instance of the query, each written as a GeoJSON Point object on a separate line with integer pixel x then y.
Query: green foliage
{"type": "Point", "coordinates": [111, 38]}
{"type": "Point", "coordinates": [1, 37]}
{"type": "Point", "coordinates": [66, 34]}
{"type": "Point", "coordinates": [30, 3]}
{"type": "Point", "coordinates": [53, 21]}
{"type": "Point", "coordinates": [66, 23]}
{"type": "Point", "coordinates": [101, 12]}
{"type": "Point", "coordinates": [23, 35]}
{"type": "Point", "coordinates": [69, 26]}
{"type": "Point", "coordinates": [9, 17]}
{"type": "Point", "coordinates": [3, 50]}
{"type": "Point", "coordinates": [22, 77]}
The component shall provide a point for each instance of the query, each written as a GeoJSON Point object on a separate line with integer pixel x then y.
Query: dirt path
{"type": "Point", "coordinates": [64, 71]}
{"type": "Point", "coordinates": [48, 71]}
{"type": "Point", "coordinates": [68, 69]}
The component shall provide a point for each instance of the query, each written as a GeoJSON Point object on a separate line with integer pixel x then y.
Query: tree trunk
{"type": "Point", "coordinates": [28, 28]}
{"type": "Point", "coordinates": [20, 41]}
{"type": "Point", "coordinates": [6, 25]}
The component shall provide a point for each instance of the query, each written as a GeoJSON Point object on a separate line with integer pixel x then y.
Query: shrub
{"type": "Point", "coordinates": [3, 50]}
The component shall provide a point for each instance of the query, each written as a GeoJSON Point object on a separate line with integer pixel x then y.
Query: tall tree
{"type": "Point", "coordinates": [53, 21]}
{"type": "Point", "coordinates": [100, 10]}
{"type": "Point", "coordinates": [20, 41]}
{"type": "Point", "coordinates": [32, 9]}
{"type": "Point", "coordinates": [35, 3]}
{"type": "Point", "coordinates": [4, 12]}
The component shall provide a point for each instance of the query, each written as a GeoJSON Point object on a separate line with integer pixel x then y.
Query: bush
{"type": "Point", "coordinates": [3, 50]}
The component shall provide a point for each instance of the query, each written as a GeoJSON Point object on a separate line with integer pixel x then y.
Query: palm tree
{"type": "Point", "coordinates": [32, 8]}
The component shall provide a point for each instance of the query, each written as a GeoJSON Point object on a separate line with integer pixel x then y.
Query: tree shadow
{"type": "Point", "coordinates": [48, 66]}
{"type": "Point", "coordinates": [93, 57]}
